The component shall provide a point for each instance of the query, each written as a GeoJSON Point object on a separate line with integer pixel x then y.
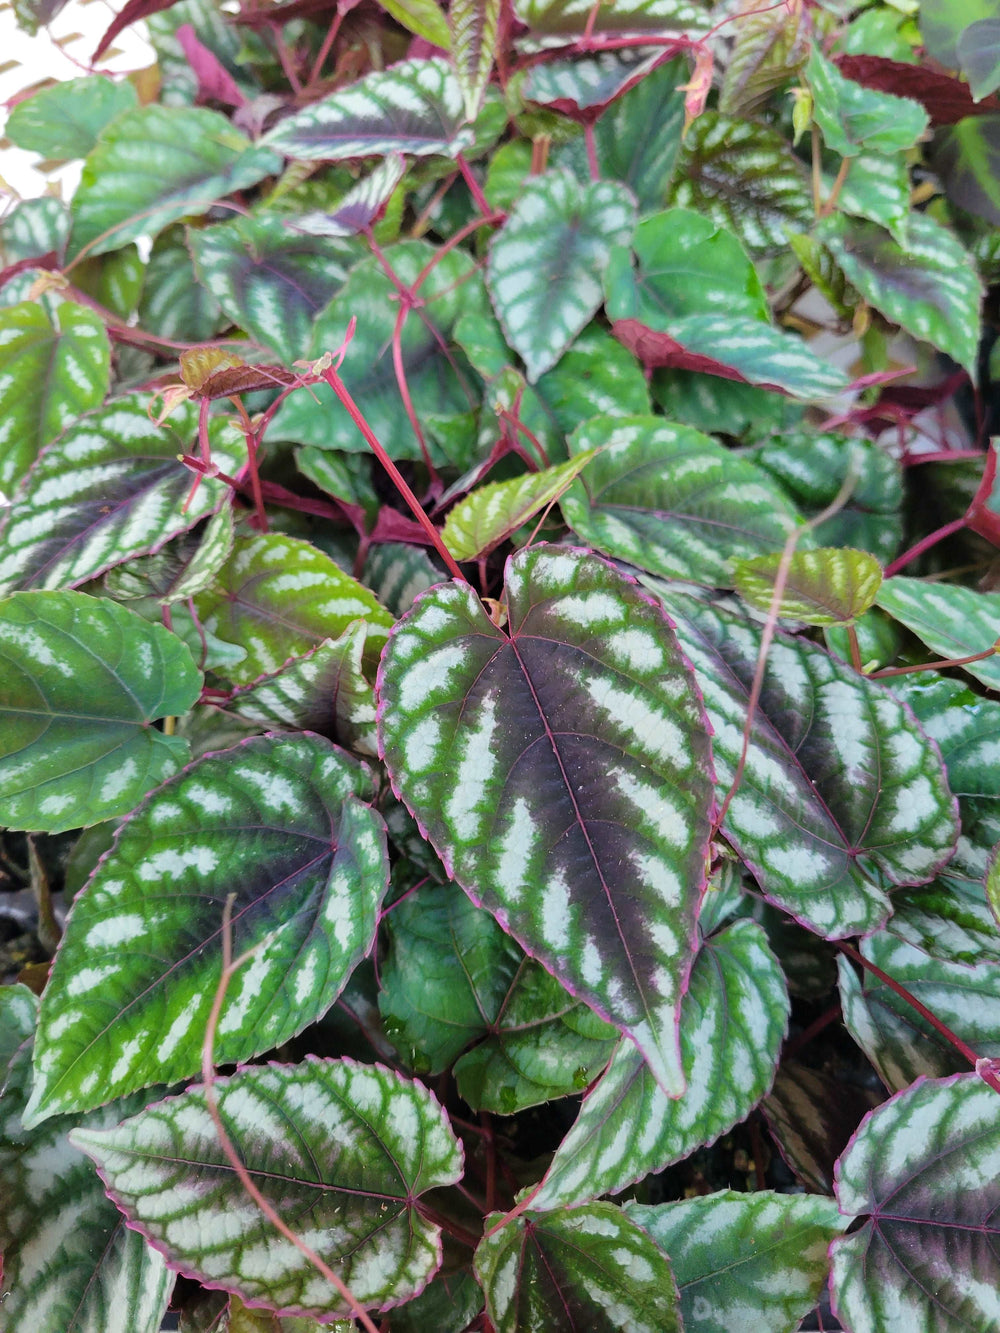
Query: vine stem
{"type": "Point", "coordinates": [937, 666]}
{"type": "Point", "coordinates": [229, 967]}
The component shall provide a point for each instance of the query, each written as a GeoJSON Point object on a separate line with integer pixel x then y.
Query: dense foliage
{"type": "Point", "coordinates": [497, 661]}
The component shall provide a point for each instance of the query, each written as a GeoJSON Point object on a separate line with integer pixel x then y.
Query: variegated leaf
{"type": "Point", "coordinates": [877, 187]}
{"type": "Point", "coordinates": [344, 1148]}
{"type": "Point", "coordinates": [449, 1304]}
{"type": "Point", "coordinates": [744, 1263]}
{"type": "Point", "coordinates": [173, 301]}
{"type": "Point", "coordinates": [733, 1016]}
{"type": "Point", "coordinates": [547, 261]}
{"type": "Point", "coordinates": [415, 108]}
{"type": "Point", "coordinates": [811, 1115]}
{"type": "Point", "coordinates": [923, 1171]}
{"type": "Point", "coordinates": [34, 227]}
{"type": "Point", "coordinates": [560, 767]}
{"type": "Point", "coordinates": [842, 795]}
{"type": "Point", "coordinates": [54, 366]}
{"type": "Point", "coordinates": [398, 574]}
{"type": "Point", "coordinates": [949, 919]}
{"type": "Point", "coordinates": [114, 280]}
{"type": "Point", "coordinates": [596, 375]}
{"type": "Point", "coordinates": [673, 501]}
{"type": "Point", "coordinates": [853, 118]}
{"type": "Point", "coordinates": [588, 1267]}
{"type": "Point", "coordinates": [770, 46]}
{"type": "Point", "coordinates": [829, 586]}
{"type": "Point", "coordinates": [111, 487]}
{"type": "Point", "coordinates": [83, 680]}
{"type": "Point", "coordinates": [951, 620]}
{"type": "Point", "coordinates": [570, 18]}
{"type": "Point", "coordinates": [582, 88]}
{"type": "Point", "coordinates": [424, 18]}
{"type": "Point", "coordinates": [359, 208]}
{"type": "Point", "coordinates": [473, 25]}
{"type": "Point", "coordinates": [180, 569]}
{"type": "Point", "coordinates": [282, 823]}
{"type": "Point", "coordinates": [279, 597]}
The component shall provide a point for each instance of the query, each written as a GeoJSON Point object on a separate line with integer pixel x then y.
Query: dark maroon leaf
{"type": "Point", "coordinates": [967, 158]}
{"type": "Point", "coordinates": [215, 83]}
{"type": "Point", "coordinates": [811, 1116]}
{"type": "Point", "coordinates": [944, 98]}
{"type": "Point", "coordinates": [133, 11]}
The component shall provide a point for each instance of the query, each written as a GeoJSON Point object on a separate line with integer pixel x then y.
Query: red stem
{"type": "Point", "coordinates": [324, 50]}
{"type": "Point", "coordinates": [925, 544]}
{"type": "Point", "coordinates": [474, 189]}
{"type": "Point", "coordinates": [403, 385]}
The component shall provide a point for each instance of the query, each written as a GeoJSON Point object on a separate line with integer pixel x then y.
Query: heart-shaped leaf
{"type": "Point", "coordinates": [829, 586]}
{"type": "Point", "coordinates": [671, 500]}
{"type": "Point", "coordinates": [281, 823]}
{"type": "Point", "coordinates": [83, 680]}
{"type": "Point", "coordinates": [950, 620]}
{"type": "Point", "coordinates": [414, 108]}
{"type": "Point", "coordinates": [744, 1262]}
{"type": "Point", "coordinates": [733, 1016]}
{"type": "Point", "coordinates": [473, 25]}
{"type": "Point", "coordinates": [54, 366]}
{"type": "Point", "coordinates": [156, 164]}
{"type": "Point", "coordinates": [826, 813]}
{"type": "Point", "coordinates": [546, 263]}
{"type": "Point", "coordinates": [853, 118]}
{"type": "Point", "coordinates": [63, 121]}
{"type": "Point", "coordinates": [307, 1137]}
{"type": "Point", "coordinates": [923, 1169]}
{"type": "Point", "coordinates": [560, 768]}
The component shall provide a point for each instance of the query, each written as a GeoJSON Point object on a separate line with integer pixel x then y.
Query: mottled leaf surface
{"type": "Point", "coordinates": [282, 823]}
{"type": "Point", "coordinates": [473, 25]}
{"type": "Point", "coordinates": [588, 1267]}
{"type": "Point", "coordinates": [83, 678]}
{"type": "Point", "coordinates": [832, 585]}
{"type": "Point", "coordinates": [811, 1115]}
{"type": "Point", "coordinates": [63, 121]}
{"type": "Point", "coordinates": [733, 1016]}
{"type": "Point", "coordinates": [182, 568]}
{"type": "Point", "coordinates": [949, 919]}
{"type": "Point", "coordinates": [853, 118]}
{"type": "Point", "coordinates": [342, 1148]}
{"type": "Point", "coordinates": [173, 301]}
{"type": "Point", "coordinates": [560, 768]}
{"type": "Point", "coordinates": [570, 18]}
{"type": "Point", "coordinates": [952, 621]}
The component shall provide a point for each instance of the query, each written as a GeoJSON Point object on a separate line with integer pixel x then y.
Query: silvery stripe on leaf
{"type": "Point", "coordinates": [569, 18]}
{"type": "Point", "coordinates": [397, 574]}
{"type": "Point", "coordinates": [473, 25]}
{"type": "Point", "coordinates": [831, 585]}
{"type": "Point", "coordinates": [591, 82]}
{"type": "Point", "coordinates": [281, 822]}
{"type": "Point", "coordinates": [949, 919]}
{"type": "Point", "coordinates": [182, 568]}
{"type": "Point", "coordinates": [560, 767]}
{"type": "Point", "coordinates": [950, 620]}
{"type": "Point", "coordinates": [733, 1019]}
{"type": "Point", "coordinates": [877, 187]}
{"type": "Point", "coordinates": [341, 1150]}
{"type": "Point", "coordinates": [173, 301]}
{"type": "Point", "coordinates": [359, 207]}
{"type": "Point", "coordinates": [964, 724]}
{"type": "Point", "coordinates": [853, 117]}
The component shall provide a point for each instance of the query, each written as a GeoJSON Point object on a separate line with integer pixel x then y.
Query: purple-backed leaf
{"type": "Point", "coordinates": [560, 766]}
{"type": "Point", "coordinates": [925, 1169]}
{"type": "Point", "coordinates": [583, 88]}
{"type": "Point", "coordinates": [842, 794]}
{"type": "Point", "coordinates": [215, 83]}
{"type": "Point", "coordinates": [360, 207]}
{"type": "Point", "coordinates": [110, 488]}
{"type": "Point", "coordinates": [811, 1115]}
{"type": "Point", "coordinates": [589, 1267]}
{"type": "Point", "coordinates": [733, 1016]}
{"type": "Point", "coordinates": [947, 99]}
{"type": "Point", "coordinates": [340, 1150]}
{"type": "Point", "coordinates": [280, 821]}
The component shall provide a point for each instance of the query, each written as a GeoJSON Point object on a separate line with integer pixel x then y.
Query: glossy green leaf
{"type": "Point", "coordinates": [156, 164]}
{"type": "Point", "coordinates": [109, 488]}
{"type": "Point", "coordinates": [180, 569]}
{"type": "Point", "coordinates": [930, 288]}
{"type": "Point", "coordinates": [414, 108]}
{"type": "Point", "coordinates": [423, 18]}
{"type": "Point", "coordinates": [114, 280]}
{"type": "Point", "coordinates": [488, 514]}
{"type": "Point", "coordinates": [271, 281]}
{"type": "Point", "coordinates": [589, 1267]}
{"type": "Point", "coordinates": [965, 726]}
{"type": "Point", "coordinates": [546, 263]}
{"type": "Point", "coordinates": [734, 1015]}
{"type": "Point", "coordinates": [672, 501]}
{"type": "Point", "coordinates": [842, 794]}
{"type": "Point", "coordinates": [745, 177]}
{"type": "Point", "coordinates": [70, 1262]}
{"type": "Point", "coordinates": [282, 823]}
{"type": "Point", "coordinates": [173, 301]}
{"type": "Point", "coordinates": [597, 375]}
{"type": "Point", "coordinates": [345, 1148]}
{"type": "Point", "coordinates": [54, 365]}
{"type": "Point", "coordinates": [952, 621]}
{"type": "Point", "coordinates": [853, 118]}
{"type": "Point", "coordinates": [83, 680]}
{"type": "Point", "coordinates": [831, 585]}
{"type": "Point", "coordinates": [63, 121]}
{"type": "Point", "coordinates": [949, 919]}
{"type": "Point", "coordinates": [473, 25]}
{"type": "Point", "coordinates": [744, 1262]}
{"type": "Point", "coordinates": [922, 1170]}
{"type": "Point", "coordinates": [568, 792]}
{"type": "Point", "coordinates": [279, 597]}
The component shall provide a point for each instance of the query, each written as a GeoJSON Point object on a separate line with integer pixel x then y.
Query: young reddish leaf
{"type": "Point", "coordinates": [215, 83]}
{"type": "Point", "coordinates": [560, 767]}
{"type": "Point", "coordinates": [828, 586]}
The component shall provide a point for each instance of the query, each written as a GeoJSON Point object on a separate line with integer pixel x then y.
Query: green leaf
{"type": "Point", "coordinates": [351, 212]}
{"type": "Point", "coordinates": [111, 487]}
{"type": "Point", "coordinates": [279, 597]}
{"type": "Point", "coordinates": [671, 500]}
{"type": "Point", "coordinates": [877, 187]}
{"type": "Point", "coordinates": [832, 585]}
{"type": "Point", "coordinates": [156, 164]}
{"type": "Point", "coordinates": [560, 768]}
{"type": "Point", "coordinates": [34, 227]}
{"type": "Point", "coordinates": [770, 47]}
{"type": "Point", "coordinates": [473, 25]}
{"type": "Point", "coordinates": [966, 157]}
{"type": "Point", "coordinates": [310, 1142]}
{"type": "Point", "coordinates": [590, 1267]}
{"type": "Point", "coordinates": [922, 1169]}
{"type": "Point", "coordinates": [173, 302]}
{"type": "Point", "coordinates": [734, 1015]}
{"type": "Point", "coordinates": [570, 18]}
{"type": "Point", "coordinates": [744, 1262]}
{"type": "Point", "coordinates": [581, 88]}
{"type": "Point", "coordinates": [70, 1262]}
{"type": "Point", "coordinates": [180, 569]}
{"type": "Point", "coordinates": [448, 1305]}
{"type": "Point", "coordinates": [114, 280]}
{"type": "Point", "coordinates": [930, 288]}
{"type": "Point", "coordinates": [827, 813]}
{"type": "Point", "coordinates": [485, 517]}
{"type": "Point", "coordinates": [743, 176]}
{"type": "Point", "coordinates": [269, 280]}
{"type": "Point", "coordinates": [83, 680]}
{"type": "Point", "coordinates": [397, 574]}
{"type": "Point", "coordinates": [948, 919]}
{"type": "Point", "coordinates": [952, 621]}
{"type": "Point", "coordinates": [54, 366]}
{"type": "Point", "coordinates": [282, 823]}
{"type": "Point", "coordinates": [853, 118]}
{"type": "Point", "coordinates": [414, 108]}
{"type": "Point", "coordinates": [65, 120]}
{"type": "Point", "coordinates": [597, 375]}
{"type": "Point", "coordinates": [546, 263]}
{"type": "Point", "coordinates": [421, 17]}
{"type": "Point", "coordinates": [703, 401]}
{"type": "Point", "coordinates": [942, 23]}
